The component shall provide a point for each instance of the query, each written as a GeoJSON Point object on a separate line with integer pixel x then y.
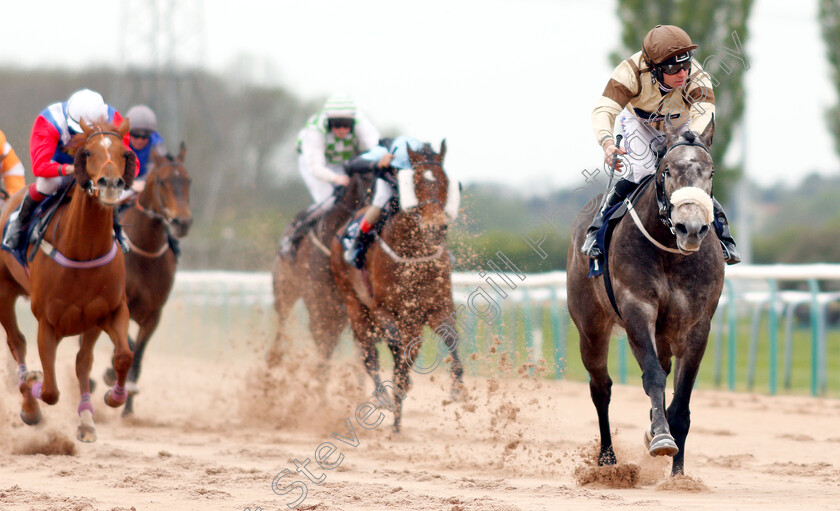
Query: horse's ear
{"type": "Point", "coordinates": [124, 127]}
{"type": "Point", "coordinates": [86, 128]}
{"type": "Point", "coordinates": [709, 132]}
{"type": "Point", "coordinates": [442, 149]}
{"type": "Point", "coordinates": [672, 133]}
{"type": "Point", "coordinates": [158, 159]}
{"type": "Point", "coordinates": [182, 152]}
{"type": "Point", "coordinates": [412, 156]}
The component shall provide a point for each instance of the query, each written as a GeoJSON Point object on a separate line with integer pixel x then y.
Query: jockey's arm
{"type": "Point", "coordinates": [313, 147]}
{"type": "Point", "coordinates": [377, 158]}
{"type": "Point", "coordinates": [701, 98]}
{"type": "Point", "coordinates": [42, 143]}
{"type": "Point", "coordinates": [617, 94]}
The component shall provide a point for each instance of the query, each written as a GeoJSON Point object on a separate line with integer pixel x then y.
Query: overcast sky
{"type": "Point", "coordinates": [509, 83]}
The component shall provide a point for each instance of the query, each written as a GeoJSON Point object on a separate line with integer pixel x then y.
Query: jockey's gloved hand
{"type": "Point", "coordinates": [611, 153]}
{"type": "Point", "coordinates": [385, 161]}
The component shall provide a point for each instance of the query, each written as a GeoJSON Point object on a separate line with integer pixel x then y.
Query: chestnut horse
{"type": "Point", "coordinates": [406, 282]}
{"type": "Point", "coordinates": [162, 207]}
{"type": "Point", "coordinates": [309, 277]}
{"type": "Point", "coordinates": [76, 282]}
{"type": "Point", "coordinates": [666, 282]}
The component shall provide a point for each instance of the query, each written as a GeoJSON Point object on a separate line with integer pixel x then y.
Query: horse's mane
{"type": "Point", "coordinates": [427, 152]}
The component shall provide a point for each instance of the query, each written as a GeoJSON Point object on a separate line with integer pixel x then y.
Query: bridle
{"type": "Point", "coordinates": [662, 200]}
{"type": "Point", "coordinates": [163, 213]}
{"type": "Point", "coordinates": [432, 200]}
{"type": "Point", "coordinates": [90, 185]}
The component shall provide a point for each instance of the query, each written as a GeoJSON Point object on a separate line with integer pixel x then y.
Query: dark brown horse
{"type": "Point", "coordinates": [162, 207]}
{"type": "Point", "coordinates": [406, 281]}
{"type": "Point", "coordinates": [310, 277]}
{"type": "Point", "coordinates": [666, 283]}
{"type": "Point", "coordinates": [76, 282]}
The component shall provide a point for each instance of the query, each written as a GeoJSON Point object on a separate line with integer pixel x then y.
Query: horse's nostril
{"type": "Point", "coordinates": [120, 182]}
{"type": "Point", "coordinates": [102, 182]}
{"type": "Point", "coordinates": [681, 228]}
{"type": "Point", "coordinates": [704, 230]}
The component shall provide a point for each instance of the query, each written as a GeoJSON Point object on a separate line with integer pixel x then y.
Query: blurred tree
{"type": "Point", "coordinates": [719, 28]}
{"type": "Point", "coordinates": [829, 17]}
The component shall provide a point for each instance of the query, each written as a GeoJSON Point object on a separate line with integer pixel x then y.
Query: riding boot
{"type": "Point", "coordinates": [118, 234]}
{"type": "Point", "coordinates": [289, 243]}
{"type": "Point", "coordinates": [17, 221]}
{"type": "Point", "coordinates": [590, 247]}
{"type": "Point", "coordinates": [730, 251]}
{"type": "Point", "coordinates": [356, 243]}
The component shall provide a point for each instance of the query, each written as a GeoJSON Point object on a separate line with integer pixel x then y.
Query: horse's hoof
{"type": "Point", "coordinates": [31, 419]}
{"type": "Point", "coordinates": [661, 445]}
{"type": "Point", "coordinates": [113, 402]}
{"type": "Point", "coordinates": [86, 434]}
{"type": "Point", "coordinates": [110, 377]}
{"type": "Point", "coordinates": [132, 388]}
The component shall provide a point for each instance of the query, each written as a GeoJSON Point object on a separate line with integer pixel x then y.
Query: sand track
{"type": "Point", "coordinates": [213, 435]}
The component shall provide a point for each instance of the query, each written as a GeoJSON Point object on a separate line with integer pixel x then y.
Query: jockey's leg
{"type": "Point", "coordinates": [38, 191]}
{"type": "Point", "coordinates": [618, 193]}
{"type": "Point", "coordinates": [301, 222]}
{"type": "Point", "coordinates": [360, 234]}
{"type": "Point", "coordinates": [323, 196]}
{"type": "Point", "coordinates": [730, 251]}
{"type": "Point", "coordinates": [118, 235]}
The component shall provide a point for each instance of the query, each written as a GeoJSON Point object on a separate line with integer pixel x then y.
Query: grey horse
{"type": "Point", "coordinates": [667, 277]}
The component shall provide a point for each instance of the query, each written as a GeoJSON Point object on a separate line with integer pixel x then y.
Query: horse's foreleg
{"type": "Point", "coordinates": [47, 345]}
{"type": "Point", "coordinates": [146, 330]}
{"type": "Point", "coordinates": [448, 340]}
{"type": "Point", "coordinates": [14, 337]}
{"type": "Point", "coordinates": [118, 332]}
{"type": "Point", "coordinates": [84, 361]}
{"type": "Point", "coordinates": [401, 367]}
{"type": "Point", "coordinates": [686, 367]}
{"type": "Point", "coordinates": [594, 349]}
{"type": "Point", "coordinates": [639, 327]}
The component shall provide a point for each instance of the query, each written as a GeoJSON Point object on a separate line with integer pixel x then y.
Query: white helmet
{"type": "Point", "coordinates": [85, 104]}
{"type": "Point", "coordinates": [142, 118]}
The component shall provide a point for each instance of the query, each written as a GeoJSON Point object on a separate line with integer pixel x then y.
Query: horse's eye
{"type": "Point", "coordinates": [87, 153]}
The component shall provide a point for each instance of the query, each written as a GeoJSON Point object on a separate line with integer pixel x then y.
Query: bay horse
{"type": "Point", "coordinates": [163, 207]}
{"type": "Point", "coordinates": [76, 282]}
{"type": "Point", "coordinates": [310, 277]}
{"type": "Point", "coordinates": [406, 281]}
{"type": "Point", "coordinates": [667, 277]}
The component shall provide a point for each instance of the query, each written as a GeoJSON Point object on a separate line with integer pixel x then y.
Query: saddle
{"type": "Point", "coordinates": [36, 227]}
{"type": "Point", "coordinates": [612, 216]}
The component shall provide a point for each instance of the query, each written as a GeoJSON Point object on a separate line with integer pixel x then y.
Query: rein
{"type": "Point", "coordinates": [663, 203]}
{"type": "Point", "coordinates": [662, 200]}
{"type": "Point", "coordinates": [408, 260]}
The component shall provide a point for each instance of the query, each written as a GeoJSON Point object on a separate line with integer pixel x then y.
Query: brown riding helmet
{"type": "Point", "coordinates": [664, 42]}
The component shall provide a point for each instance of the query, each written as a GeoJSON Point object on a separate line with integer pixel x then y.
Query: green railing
{"type": "Point", "coordinates": [757, 342]}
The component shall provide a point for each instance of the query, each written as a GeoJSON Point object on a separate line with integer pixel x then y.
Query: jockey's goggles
{"type": "Point", "coordinates": [341, 122]}
{"type": "Point", "coordinates": [677, 63]}
{"type": "Point", "coordinates": [140, 133]}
